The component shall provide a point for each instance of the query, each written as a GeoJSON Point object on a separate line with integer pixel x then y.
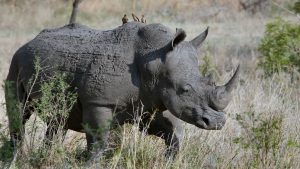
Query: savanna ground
{"type": "Point", "coordinates": [262, 130]}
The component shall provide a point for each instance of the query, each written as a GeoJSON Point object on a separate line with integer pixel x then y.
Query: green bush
{"type": "Point", "coordinates": [262, 136]}
{"type": "Point", "coordinates": [53, 107]}
{"type": "Point", "coordinates": [296, 7]}
{"type": "Point", "coordinates": [280, 47]}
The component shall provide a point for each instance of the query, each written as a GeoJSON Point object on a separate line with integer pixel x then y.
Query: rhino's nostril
{"type": "Point", "coordinates": [206, 121]}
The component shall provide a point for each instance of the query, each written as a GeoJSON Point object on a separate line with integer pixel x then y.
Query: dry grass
{"type": "Point", "coordinates": [233, 39]}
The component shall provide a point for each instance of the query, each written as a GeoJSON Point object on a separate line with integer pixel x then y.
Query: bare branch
{"type": "Point", "coordinates": [74, 11]}
{"type": "Point", "coordinates": [285, 9]}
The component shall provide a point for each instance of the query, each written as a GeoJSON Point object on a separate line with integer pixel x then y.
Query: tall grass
{"type": "Point", "coordinates": [266, 137]}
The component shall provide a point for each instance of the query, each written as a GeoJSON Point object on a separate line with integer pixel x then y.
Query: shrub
{"type": "Point", "coordinates": [262, 137]}
{"type": "Point", "coordinates": [280, 47]}
{"type": "Point", "coordinates": [53, 107]}
{"type": "Point", "coordinates": [296, 7]}
{"type": "Point", "coordinates": [56, 101]}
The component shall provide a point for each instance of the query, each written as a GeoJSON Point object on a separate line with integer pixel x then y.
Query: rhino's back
{"type": "Point", "coordinates": [74, 47]}
{"type": "Point", "coordinates": [100, 63]}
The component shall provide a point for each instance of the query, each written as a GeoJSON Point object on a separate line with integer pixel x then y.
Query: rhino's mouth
{"type": "Point", "coordinates": [213, 120]}
{"type": "Point", "coordinates": [204, 125]}
{"type": "Point", "coordinates": [201, 124]}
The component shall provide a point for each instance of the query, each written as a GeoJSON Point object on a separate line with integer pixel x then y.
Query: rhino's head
{"type": "Point", "coordinates": [185, 93]}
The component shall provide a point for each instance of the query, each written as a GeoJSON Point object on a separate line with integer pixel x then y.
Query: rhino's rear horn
{"type": "Point", "coordinates": [197, 41]}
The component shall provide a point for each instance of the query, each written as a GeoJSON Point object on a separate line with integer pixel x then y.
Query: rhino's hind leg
{"type": "Point", "coordinates": [167, 127]}
{"type": "Point", "coordinates": [18, 135]}
{"type": "Point", "coordinates": [17, 114]}
{"type": "Point", "coordinates": [96, 121]}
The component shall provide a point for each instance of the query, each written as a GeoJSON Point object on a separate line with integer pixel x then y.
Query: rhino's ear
{"type": "Point", "coordinates": [179, 37]}
{"type": "Point", "coordinates": [196, 42]}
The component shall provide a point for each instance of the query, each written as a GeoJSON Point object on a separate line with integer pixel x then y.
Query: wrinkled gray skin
{"type": "Point", "coordinates": [116, 69]}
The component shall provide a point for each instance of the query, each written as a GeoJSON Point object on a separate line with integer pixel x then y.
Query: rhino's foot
{"type": "Point", "coordinates": [172, 151]}
{"type": "Point", "coordinates": [17, 139]}
{"type": "Point", "coordinates": [94, 159]}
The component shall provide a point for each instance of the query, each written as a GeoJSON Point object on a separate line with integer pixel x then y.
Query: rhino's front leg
{"type": "Point", "coordinates": [96, 122]}
{"type": "Point", "coordinates": [168, 127]}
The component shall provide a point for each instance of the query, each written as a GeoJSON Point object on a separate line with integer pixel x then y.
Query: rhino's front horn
{"type": "Point", "coordinates": [221, 96]}
{"type": "Point", "coordinates": [232, 83]}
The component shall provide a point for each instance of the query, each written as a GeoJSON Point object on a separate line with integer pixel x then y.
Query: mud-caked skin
{"type": "Point", "coordinates": [133, 65]}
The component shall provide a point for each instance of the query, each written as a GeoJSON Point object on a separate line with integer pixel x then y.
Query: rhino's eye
{"type": "Point", "coordinates": [185, 88]}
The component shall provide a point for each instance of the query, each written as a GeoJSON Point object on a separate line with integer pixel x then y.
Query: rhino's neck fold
{"type": "Point", "coordinates": [152, 44]}
{"type": "Point", "coordinates": [149, 76]}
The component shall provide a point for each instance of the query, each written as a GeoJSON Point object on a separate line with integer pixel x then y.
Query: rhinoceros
{"type": "Point", "coordinates": [113, 70]}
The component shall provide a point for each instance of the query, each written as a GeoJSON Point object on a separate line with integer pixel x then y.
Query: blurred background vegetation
{"type": "Point", "coordinates": [263, 36]}
{"type": "Point", "coordinates": [175, 10]}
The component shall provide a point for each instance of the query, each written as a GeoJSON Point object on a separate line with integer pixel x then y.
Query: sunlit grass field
{"type": "Point", "coordinates": [263, 126]}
